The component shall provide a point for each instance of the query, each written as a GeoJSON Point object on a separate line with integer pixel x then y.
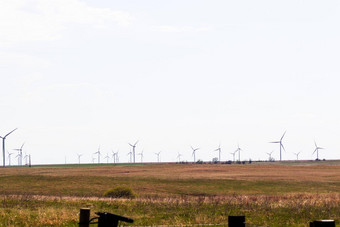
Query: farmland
{"type": "Point", "coordinates": [279, 194]}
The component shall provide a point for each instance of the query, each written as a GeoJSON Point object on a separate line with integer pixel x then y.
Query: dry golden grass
{"type": "Point", "coordinates": [319, 173]}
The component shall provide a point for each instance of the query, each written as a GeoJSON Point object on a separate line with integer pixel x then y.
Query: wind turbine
{"type": "Point", "coordinates": [179, 157]}
{"type": "Point", "coordinates": [3, 145]}
{"type": "Point", "coordinates": [117, 157]}
{"type": "Point", "coordinates": [239, 152]}
{"type": "Point", "coordinates": [219, 152]}
{"type": "Point", "coordinates": [134, 150]}
{"type": "Point", "coordinates": [297, 155]}
{"type": "Point", "coordinates": [158, 159]}
{"type": "Point", "coordinates": [20, 152]}
{"type": "Point", "coordinates": [281, 145]}
{"type": "Point", "coordinates": [141, 156]}
{"type": "Point", "coordinates": [233, 153]}
{"type": "Point", "coordinates": [194, 153]}
{"type": "Point", "coordinates": [107, 158]}
{"type": "Point", "coordinates": [19, 158]}
{"type": "Point", "coordinates": [130, 153]}
{"type": "Point", "coordinates": [113, 156]}
{"type": "Point", "coordinates": [79, 155]}
{"type": "Point", "coordinates": [9, 158]}
{"type": "Point", "coordinates": [98, 152]}
{"type": "Point", "coordinates": [317, 150]}
{"type": "Point", "coordinates": [270, 155]}
{"type": "Point", "coordinates": [26, 157]}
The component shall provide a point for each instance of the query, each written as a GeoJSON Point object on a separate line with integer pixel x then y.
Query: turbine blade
{"type": "Point", "coordinates": [10, 132]}
{"type": "Point", "coordinates": [315, 150]}
{"type": "Point", "coordinates": [275, 142]}
{"type": "Point", "coordinates": [282, 146]}
{"type": "Point", "coordinates": [136, 143]}
{"type": "Point", "coordinates": [283, 135]}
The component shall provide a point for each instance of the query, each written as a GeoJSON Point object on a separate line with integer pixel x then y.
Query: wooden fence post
{"type": "Point", "coordinates": [236, 221]}
{"type": "Point", "coordinates": [322, 223]}
{"type": "Point", "coordinates": [84, 217]}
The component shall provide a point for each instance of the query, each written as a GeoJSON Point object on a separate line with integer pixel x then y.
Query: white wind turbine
{"type": "Point", "coordinates": [179, 157]}
{"type": "Point", "coordinates": [134, 150]}
{"type": "Point", "coordinates": [117, 157]}
{"type": "Point", "coordinates": [25, 158]}
{"type": "Point", "coordinates": [219, 152]}
{"type": "Point", "coordinates": [141, 156]}
{"type": "Point", "coordinates": [113, 156]}
{"type": "Point", "coordinates": [3, 145]}
{"type": "Point", "coordinates": [107, 158]}
{"type": "Point", "coordinates": [98, 152]}
{"type": "Point", "coordinates": [158, 156]}
{"type": "Point", "coordinates": [297, 155]}
{"type": "Point", "coordinates": [233, 153]}
{"type": "Point", "coordinates": [281, 145]}
{"type": "Point", "coordinates": [9, 158]}
{"type": "Point", "coordinates": [317, 150]}
{"type": "Point", "coordinates": [270, 155]}
{"type": "Point", "coordinates": [194, 153]}
{"type": "Point", "coordinates": [19, 158]}
{"type": "Point", "coordinates": [20, 152]}
{"type": "Point", "coordinates": [239, 152]}
{"type": "Point", "coordinates": [130, 153]}
{"type": "Point", "coordinates": [79, 155]}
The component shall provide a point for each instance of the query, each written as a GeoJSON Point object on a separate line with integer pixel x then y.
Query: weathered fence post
{"type": "Point", "coordinates": [84, 217]}
{"type": "Point", "coordinates": [322, 223]}
{"type": "Point", "coordinates": [236, 221]}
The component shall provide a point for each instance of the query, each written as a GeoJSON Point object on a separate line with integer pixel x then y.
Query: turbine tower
{"type": "Point", "coordinates": [281, 145]}
{"type": "Point", "coordinates": [3, 145]}
{"type": "Point", "coordinates": [219, 152]}
{"type": "Point", "coordinates": [18, 156]}
{"type": "Point", "coordinates": [79, 155]}
{"type": "Point", "coordinates": [141, 156]}
{"type": "Point", "coordinates": [179, 157]}
{"type": "Point", "coordinates": [26, 157]}
{"type": "Point", "coordinates": [134, 150]}
{"type": "Point", "coordinates": [9, 158]}
{"type": "Point", "coordinates": [113, 156]}
{"type": "Point", "coordinates": [233, 153]}
{"type": "Point", "coordinates": [98, 152]}
{"type": "Point", "coordinates": [20, 152]}
{"type": "Point", "coordinates": [130, 153]}
{"type": "Point", "coordinates": [297, 155]}
{"type": "Point", "coordinates": [194, 153]}
{"type": "Point", "coordinates": [158, 158]}
{"type": "Point", "coordinates": [270, 155]}
{"type": "Point", "coordinates": [317, 150]}
{"type": "Point", "coordinates": [107, 158]}
{"type": "Point", "coordinates": [239, 152]}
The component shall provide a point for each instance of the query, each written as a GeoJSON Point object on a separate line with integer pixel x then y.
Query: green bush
{"type": "Point", "coordinates": [120, 192]}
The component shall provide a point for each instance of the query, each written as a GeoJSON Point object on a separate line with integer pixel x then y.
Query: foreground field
{"type": "Point", "coordinates": [173, 194]}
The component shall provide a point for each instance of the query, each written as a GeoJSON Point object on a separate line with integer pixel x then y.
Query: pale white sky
{"type": "Point", "coordinates": [171, 74]}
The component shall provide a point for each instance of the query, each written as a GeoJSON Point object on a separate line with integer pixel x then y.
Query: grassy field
{"type": "Point", "coordinates": [288, 194]}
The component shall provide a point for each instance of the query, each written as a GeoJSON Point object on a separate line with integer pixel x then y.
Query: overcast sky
{"type": "Point", "coordinates": [76, 75]}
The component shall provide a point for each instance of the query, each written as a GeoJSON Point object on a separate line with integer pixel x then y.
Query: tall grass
{"type": "Point", "coordinates": [293, 210]}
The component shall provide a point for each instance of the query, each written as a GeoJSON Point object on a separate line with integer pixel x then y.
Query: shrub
{"type": "Point", "coordinates": [120, 192]}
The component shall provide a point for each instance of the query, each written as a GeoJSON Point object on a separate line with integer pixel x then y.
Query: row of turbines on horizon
{"type": "Point", "coordinates": [132, 153]}
{"type": "Point", "coordinates": [20, 156]}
